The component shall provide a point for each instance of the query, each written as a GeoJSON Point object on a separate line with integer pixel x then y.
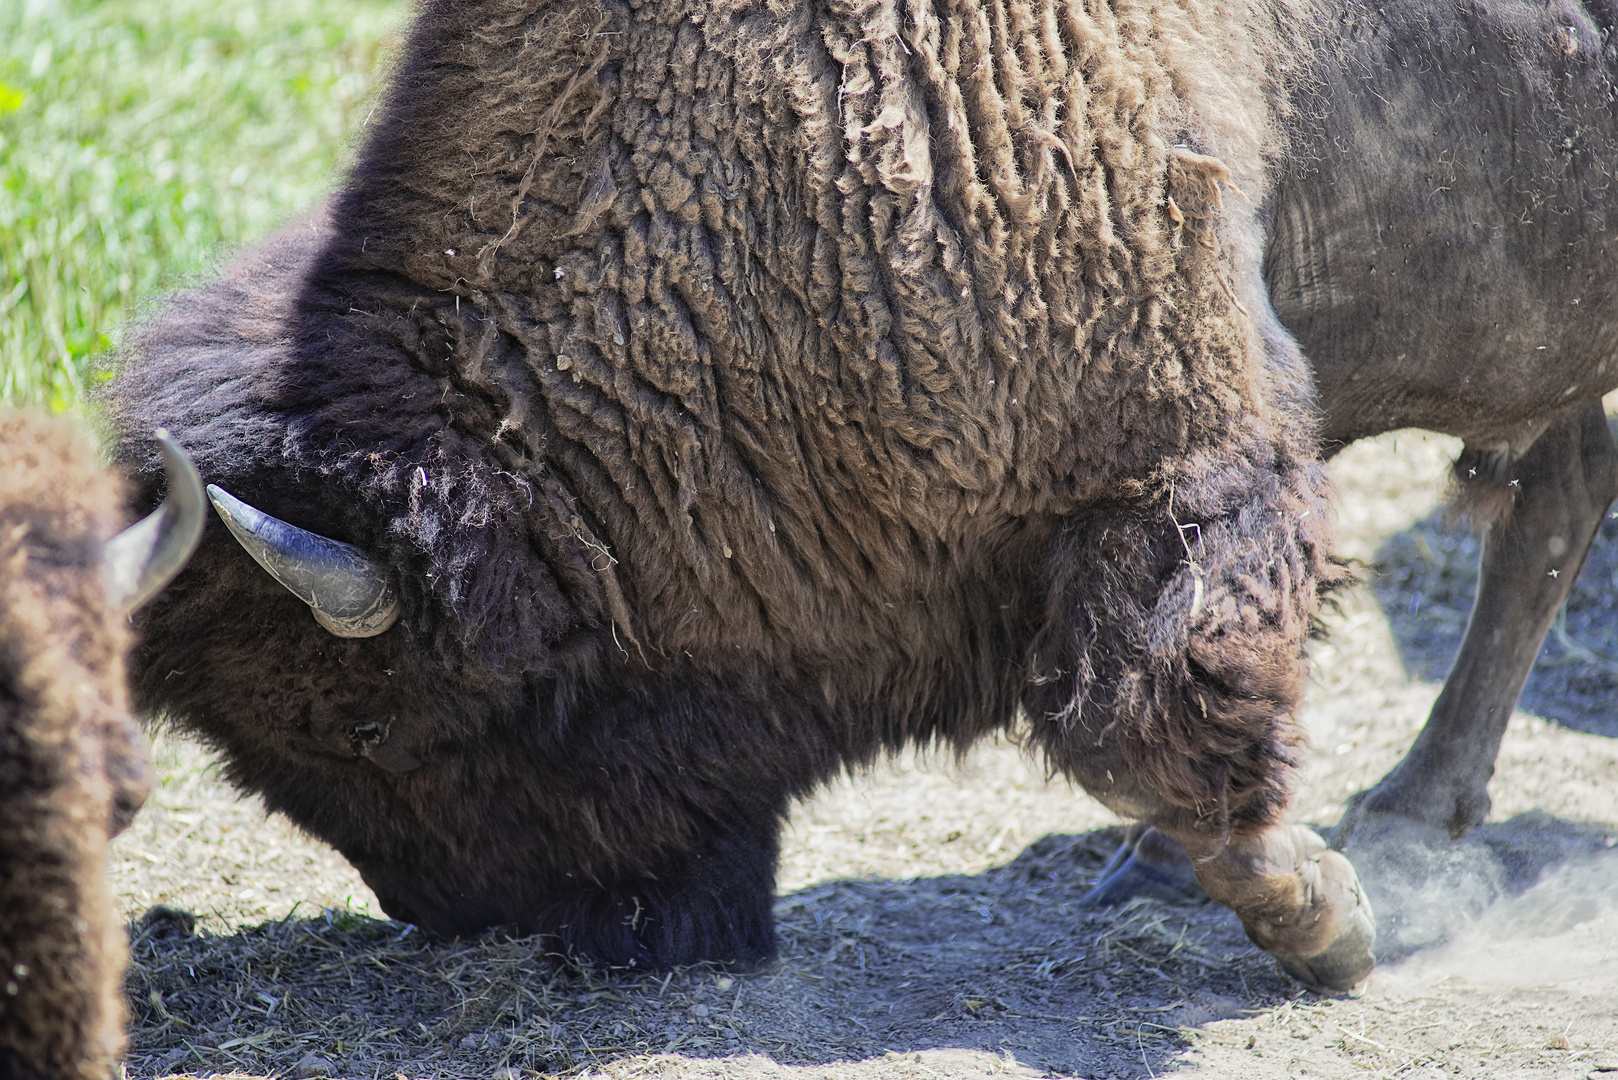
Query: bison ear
{"type": "Point", "coordinates": [143, 558]}
{"type": "Point", "coordinates": [347, 590]}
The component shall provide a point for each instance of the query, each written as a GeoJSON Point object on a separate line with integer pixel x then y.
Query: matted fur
{"type": "Point", "coordinates": [69, 753]}
{"type": "Point", "coordinates": [741, 391]}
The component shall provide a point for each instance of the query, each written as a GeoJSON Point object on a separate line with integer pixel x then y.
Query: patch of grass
{"type": "Point", "coordinates": [138, 139]}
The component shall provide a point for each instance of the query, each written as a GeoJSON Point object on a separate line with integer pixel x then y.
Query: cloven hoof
{"type": "Point", "coordinates": [1300, 902]}
{"type": "Point", "coordinates": [1346, 962]}
{"type": "Point", "coordinates": [1336, 897]}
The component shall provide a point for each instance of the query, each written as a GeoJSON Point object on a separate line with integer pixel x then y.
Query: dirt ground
{"type": "Point", "coordinates": [927, 910]}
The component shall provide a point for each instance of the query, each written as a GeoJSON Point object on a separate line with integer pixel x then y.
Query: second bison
{"type": "Point", "coordinates": [72, 762]}
{"type": "Point", "coordinates": [685, 401]}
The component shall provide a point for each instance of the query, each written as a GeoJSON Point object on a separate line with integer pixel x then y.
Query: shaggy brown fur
{"type": "Point", "coordinates": [740, 391]}
{"type": "Point", "coordinates": [70, 755]}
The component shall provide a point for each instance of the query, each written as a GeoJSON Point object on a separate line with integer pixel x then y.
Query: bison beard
{"type": "Point", "coordinates": [738, 394]}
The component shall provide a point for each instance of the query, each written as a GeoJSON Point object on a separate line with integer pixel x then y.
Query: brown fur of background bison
{"type": "Point", "coordinates": [72, 761]}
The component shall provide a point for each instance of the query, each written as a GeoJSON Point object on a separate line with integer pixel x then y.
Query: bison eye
{"type": "Point", "coordinates": [366, 734]}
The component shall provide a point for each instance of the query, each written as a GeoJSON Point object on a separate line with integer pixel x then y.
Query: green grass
{"type": "Point", "coordinates": [142, 139]}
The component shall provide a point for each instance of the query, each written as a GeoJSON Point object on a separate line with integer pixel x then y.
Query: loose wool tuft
{"type": "Point", "coordinates": [71, 759]}
{"type": "Point", "coordinates": [741, 390]}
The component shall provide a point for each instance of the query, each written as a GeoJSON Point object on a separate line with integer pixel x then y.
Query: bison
{"type": "Point", "coordinates": [1439, 245]}
{"type": "Point", "coordinates": [682, 402]}
{"type": "Point", "coordinates": [72, 761]}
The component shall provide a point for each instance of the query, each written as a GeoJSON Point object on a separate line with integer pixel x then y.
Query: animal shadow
{"type": "Point", "coordinates": [1001, 963]}
{"type": "Point", "coordinates": [1425, 578]}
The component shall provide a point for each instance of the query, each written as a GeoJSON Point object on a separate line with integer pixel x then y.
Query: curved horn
{"type": "Point", "coordinates": [347, 590]}
{"type": "Point", "coordinates": [143, 558]}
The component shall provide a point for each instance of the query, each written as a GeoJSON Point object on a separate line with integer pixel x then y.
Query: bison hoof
{"type": "Point", "coordinates": [1136, 879]}
{"type": "Point", "coordinates": [1298, 901]}
{"type": "Point", "coordinates": [1343, 965]}
{"type": "Point", "coordinates": [1385, 808]}
{"type": "Point", "coordinates": [1335, 898]}
{"type": "Point", "coordinates": [1150, 867]}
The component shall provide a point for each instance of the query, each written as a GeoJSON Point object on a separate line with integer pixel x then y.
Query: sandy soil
{"type": "Point", "coordinates": [927, 909]}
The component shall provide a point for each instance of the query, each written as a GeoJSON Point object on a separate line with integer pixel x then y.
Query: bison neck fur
{"type": "Point", "coordinates": [740, 392]}
{"type": "Point", "coordinates": [70, 756]}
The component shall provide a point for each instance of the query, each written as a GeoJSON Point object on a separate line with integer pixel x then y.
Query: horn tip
{"type": "Point", "coordinates": [221, 499]}
{"type": "Point", "coordinates": [144, 558]}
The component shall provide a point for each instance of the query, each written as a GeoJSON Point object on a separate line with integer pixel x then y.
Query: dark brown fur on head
{"type": "Point", "coordinates": [70, 756]}
{"type": "Point", "coordinates": [740, 391]}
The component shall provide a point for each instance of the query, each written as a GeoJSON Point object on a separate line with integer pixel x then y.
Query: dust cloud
{"type": "Point", "coordinates": [1562, 932]}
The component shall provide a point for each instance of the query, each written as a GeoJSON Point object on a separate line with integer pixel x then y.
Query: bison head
{"type": "Point", "coordinates": [468, 795]}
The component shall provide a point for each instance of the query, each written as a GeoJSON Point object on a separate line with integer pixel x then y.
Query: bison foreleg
{"type": "Point", "coordinates": [1166, 681]}
{"type": "Point", "coordinates": [715, 905]}
{"type": "Point", "coordinates": [1564, 484]}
